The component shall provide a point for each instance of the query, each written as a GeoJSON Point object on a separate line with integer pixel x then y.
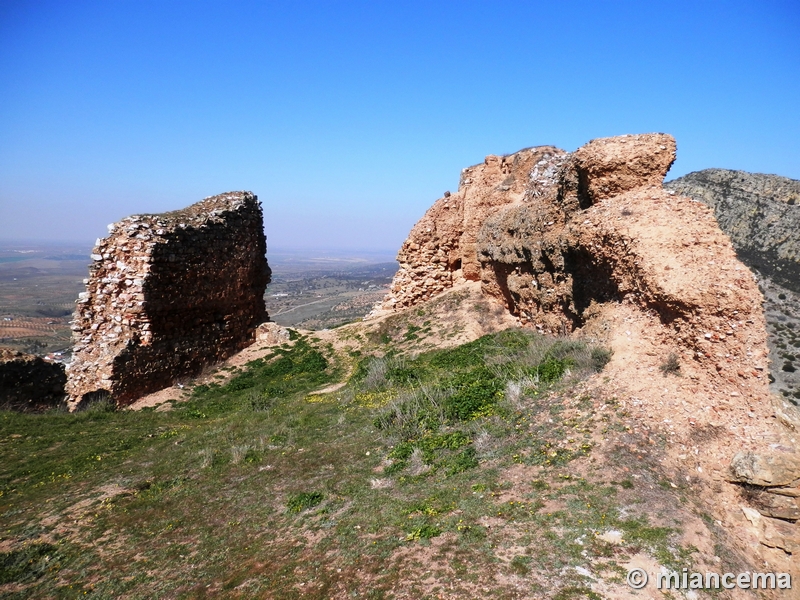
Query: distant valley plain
{"type": "Point", "coordinates": [310, 289]}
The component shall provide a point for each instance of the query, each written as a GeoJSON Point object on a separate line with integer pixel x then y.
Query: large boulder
{"type": "Point", "coordinates": [766, 469]}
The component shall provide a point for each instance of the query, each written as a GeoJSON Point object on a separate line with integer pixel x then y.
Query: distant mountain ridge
{"type": "Point", "coordinates": [760, 213]}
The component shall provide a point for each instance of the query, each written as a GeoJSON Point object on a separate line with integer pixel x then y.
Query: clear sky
{"type": "Point", "coordinates": [348, 119]}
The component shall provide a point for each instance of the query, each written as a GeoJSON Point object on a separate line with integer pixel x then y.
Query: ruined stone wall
{"type": "Point", "coordinates": [597, 248]}
{"type": "Point", "coordinates": [614, 235]}
{"type": "Point", "coordinates": [167, 295]}
{"type": "Point", "coordinates": [29, 383]}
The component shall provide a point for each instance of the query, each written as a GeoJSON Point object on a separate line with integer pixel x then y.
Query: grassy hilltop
{"type": "Point", "coordinates": [484, 470]}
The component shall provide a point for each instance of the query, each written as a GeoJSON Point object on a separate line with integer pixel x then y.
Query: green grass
{"type": "Point", "coordinates": [304, 500]}
{"type": "Point", "coordinates": [252, 488]}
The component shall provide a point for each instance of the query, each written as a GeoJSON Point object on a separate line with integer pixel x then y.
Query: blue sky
{"type": "Point", "coordinates": [348, 119]}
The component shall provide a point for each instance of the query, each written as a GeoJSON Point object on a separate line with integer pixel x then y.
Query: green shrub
{"type": "Point", "coordinates": [304, 500]}
{"type": "Point", "coordinates": [552, 369]}
{"type": "Point", "coordinates": [521, 565]}
{"type": "Point", "coordinates": [403, 375]}
{"type": "Point", "coordinates": [26, 564]}
{"type": "Point", "coordinates": [437, 452]}
{"type": "Point", "coordinates": [466, 459]}
{"type": "Point", "coordinates": [474, 392]}
{"type": "Point", "coordinates": [575, 592]}
{"type": "Point", "coordinates": [412, 415]}
{"type": "Point", "coordinates": [424, 532]}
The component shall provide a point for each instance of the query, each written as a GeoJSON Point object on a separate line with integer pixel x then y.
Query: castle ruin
{"type": "Point", "coordinates": [167, 295]}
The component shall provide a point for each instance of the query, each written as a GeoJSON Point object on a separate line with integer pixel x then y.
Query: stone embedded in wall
{"type": "Point", "coordinates": [167, 295]}
{"type": "Point", "coordinates": [30, 383]}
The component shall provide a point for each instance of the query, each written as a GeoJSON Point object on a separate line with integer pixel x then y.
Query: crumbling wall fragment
{"type": "Point", "coordinates": [167, 295]}
{"type": "Point", "coordinates": [30, 383]}
{"type": "Point", "coordinates": [608, 167]}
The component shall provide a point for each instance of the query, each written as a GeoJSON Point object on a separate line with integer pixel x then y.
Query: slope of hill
{"type": "Point", "coordinates": [761, 214]}
{"type": "Point", "coordinates": [590, 242]}
{"type": "Point", "coordinates": [503, 467]}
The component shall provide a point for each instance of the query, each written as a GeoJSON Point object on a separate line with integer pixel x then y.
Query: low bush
{"type": "Point", "coordinates": [671, 366]}
{"type": "Point", "coordinates": [303, 501]}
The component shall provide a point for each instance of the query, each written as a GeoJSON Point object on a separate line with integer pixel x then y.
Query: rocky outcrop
{"type": "Point", "coordinates": [608, 167]}
{"type": "Point", "coordinates": [441, 248]}
{"type": "Point", "coordinates": [30, 383]}
{"type": "Point", "coordinates": [167, 295]}
{"type": "Point", "coordinates": [775, 470]}
{"type": "Point", "coordinates": [555, 235]}
{"type": "Point", "coordinates": [760, 213]}
{"type": "Point", "coordinates": [594, 246]}
{"type": "Point", "coordinates": [614, 235]}
{"type": "Point", "coordinates": [772, 483]}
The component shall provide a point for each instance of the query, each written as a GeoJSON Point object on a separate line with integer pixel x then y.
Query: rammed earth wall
{"type": "Point", "coordinates": [167, 295]}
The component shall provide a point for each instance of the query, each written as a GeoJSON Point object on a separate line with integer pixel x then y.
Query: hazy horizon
{"type": "Point", "coordinates": [274, 254]}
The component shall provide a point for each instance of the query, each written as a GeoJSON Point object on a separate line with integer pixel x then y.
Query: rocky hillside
{"type": "Point", "coordinates": [590, 243]}
{"type": "Point", "coordinates": [761, 214]}
{"type": "Point", "coordinates": [446, 447]}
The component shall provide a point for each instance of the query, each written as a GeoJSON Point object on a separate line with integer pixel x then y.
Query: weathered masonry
{"type": "Point", "coordinates": [167, 295]}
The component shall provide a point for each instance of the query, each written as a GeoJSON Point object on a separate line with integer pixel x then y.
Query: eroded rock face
{"type": "Point", "coordinates": [608, 167]}
{"type": "Point", "coordinates": [595, 246]}
{"type": "Point", "coordinates": [772, 489]}
{"type": "Point", "coordinates": [555, 236]}
{"type": "Point", "coordinates": [524, 193]}
{"type": "Point", "coordinates": [760, 213]}
{"type": "Point", "coordinates": [29, 383]}
{"type": "Point", "coordinates": [441, 248]}
{"type": "Point", "coordinates": [167, 295]}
